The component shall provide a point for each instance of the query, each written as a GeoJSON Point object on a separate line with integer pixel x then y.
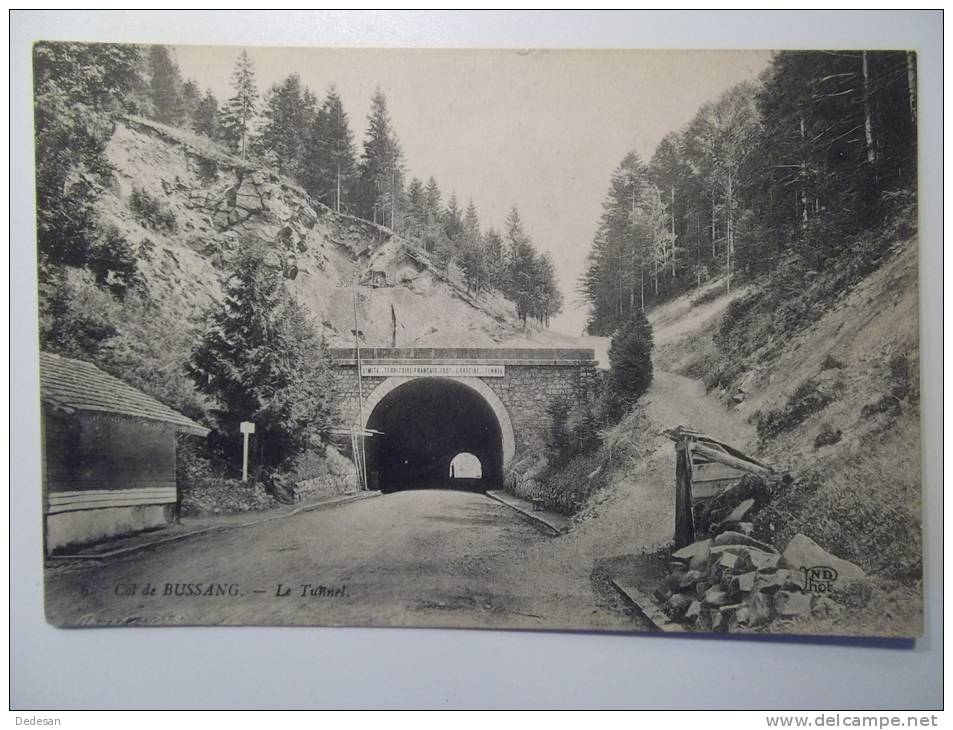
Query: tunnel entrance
{"type": "Point", "coordinates": [429, 425]}
{"type": "Point", "coordinates": [466, 466]}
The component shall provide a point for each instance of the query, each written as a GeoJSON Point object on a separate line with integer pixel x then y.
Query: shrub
{"type": "Point", "coordinates": [573, 429]}
{"type": "Point", "coordinates": [900, 378]}
{"type": "Point", "coordinates": [900, 214]}
{"type": "Point", "coordinates": [901, 386]}
{"type": "Point", "coordinates": [206, 489]}
{"type": "Point", "coordinates": [630, 365]}
{"type": "Point", "coordinates": [722, 371]}
{"type": "Point", "coordinates": [880, 533]}
{"type": "Point", "coordinates": [831, 363]}
{"type": "Point", "coordinates": [129, 339]}
{"type": "Point", "coordinates": [810, 397]}
{"type": "Point", "coordinates": [76, 316]}
{"type": "Point", "coordinates": [207, 170]}
{"type": "Point", "coordinates": [827, 436]}
{"type": "Point", "coordinates": [585, 430]}
{"type": "Point", "coordinates": [885, 404]}
{"type": "Point", "coordinates": [566, 490]}
{"type": "Point", "coordinates": [558, 434]}
{"type": "Point", "coordinates": [151, 212]}
{"type": "Point", "coordinates": [709, 295]}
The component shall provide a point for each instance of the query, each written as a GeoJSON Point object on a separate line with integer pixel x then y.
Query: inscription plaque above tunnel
{"type": "Point", "coordinates": [474, 371]}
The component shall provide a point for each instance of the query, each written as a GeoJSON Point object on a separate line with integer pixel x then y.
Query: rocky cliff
{"type": "Point", "coordinates": [213, 201]}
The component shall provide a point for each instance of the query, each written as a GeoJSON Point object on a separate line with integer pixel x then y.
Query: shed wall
{"type": "Point", "coordinates": [105, 475]}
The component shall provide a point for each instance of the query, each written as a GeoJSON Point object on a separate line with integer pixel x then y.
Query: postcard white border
{"type": "Point", "coordinates": [267, 667]}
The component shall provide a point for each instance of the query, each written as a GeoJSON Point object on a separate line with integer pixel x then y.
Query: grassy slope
{"type": "Point", "coordinates": [862, 499]}
{"type": "Point", "coordinates": [859, 497]}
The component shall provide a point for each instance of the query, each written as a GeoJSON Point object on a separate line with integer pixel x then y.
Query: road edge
{"type": "Point", "coordinates": [324, 504]}
{"type": "Point", "coordinates": [534, 517]}
{"type": "Point", "coordinates": [647, 607]}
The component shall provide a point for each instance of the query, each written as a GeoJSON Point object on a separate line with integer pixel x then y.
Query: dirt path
{"type": "Point", "coordinates": [421, 558]}
{"type": "Point", "coordinates": [675, 399]}
{"type": "Point", "coordinates": [636, 513]}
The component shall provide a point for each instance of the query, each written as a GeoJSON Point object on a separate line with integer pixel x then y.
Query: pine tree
{"type": "Point", "coordinates": [189, 99]}
{"type": "Point", "coordinates": [165, 86]}
{"type": "Point", "coordinates": [547, 298]}
{"type": "Point", "coordinates": [446, 234]}
{"type": "Point", "coordinates": [721, 139]}
{"type": "Point", "coordinates": [471, 224]}
{"type": "Point", "coordinates": [433, 235]}
{"type": "Point", "coordinates": [432, 202]}
{"type": "Point", "coordinates": [669, 172]}
{"type": "Point", "coordinates": [205, 120]}
{"type": "Point", "coordinates": [521, 275]}
{"type": "Point", "coordinates": [416, 209]}
{"type": "Point", "coordinates": [514, 229]}
{"type": "Point", "coordinates": [495, 259]}
{"type": "Point", "coordinates": [630, 364]}
{"type": "Point", "coordinates": [330, 167]}
{"type": "Point", "coordinates": [614, 281]}
{"type": "Point", "coordinates": [80, 92]}
{"type": "Point", "coordinates": [261, 358]}
{"type": "Point", "coordinates": [381, 179]}
{"type": "Point", "coordinates": [820, 149]}
{"type": "Point", "coordinates": [287, 117]}
{"type": "Point", "coordinates": [453, 221]}
{"type": "Point", "coordinates": [239, 111]}
{"type": "Point", "coordinates": [472, 258]}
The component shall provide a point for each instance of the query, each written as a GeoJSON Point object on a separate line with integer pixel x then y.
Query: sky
{"type": "Point", "coordinates": [542, 130]}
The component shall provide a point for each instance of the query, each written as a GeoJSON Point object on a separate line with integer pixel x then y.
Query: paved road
{"type": "Point", "coordinates": [421, 558]}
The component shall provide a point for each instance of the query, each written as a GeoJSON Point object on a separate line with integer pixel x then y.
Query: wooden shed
{"type": "Point", "coordinates": [108, 454]}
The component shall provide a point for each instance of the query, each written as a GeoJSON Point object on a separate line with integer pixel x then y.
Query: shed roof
{"type": "Point", "coordinates": [81, 386]}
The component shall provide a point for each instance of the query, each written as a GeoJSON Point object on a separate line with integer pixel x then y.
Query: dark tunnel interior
{"type": "Point", "coordinates": [425, 423]}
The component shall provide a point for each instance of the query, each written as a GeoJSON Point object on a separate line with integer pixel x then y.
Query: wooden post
{"type": "Point", "coordinates": [358, 460]}
{"type": "Point", "coordinates": [247, 428]}
{"type": "Point", "coordinates": [684, 519]}
{"type": "Point", "coordinates": [360, 395]}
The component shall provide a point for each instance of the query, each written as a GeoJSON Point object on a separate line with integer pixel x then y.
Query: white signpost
{"type": "Point", "coordinates": [247, 428]}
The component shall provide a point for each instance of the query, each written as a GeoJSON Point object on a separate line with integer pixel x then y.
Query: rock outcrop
{"type": "Point", "coordinates": [217, 202]}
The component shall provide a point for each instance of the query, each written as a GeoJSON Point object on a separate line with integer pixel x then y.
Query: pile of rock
{"type": "Point", "coordinates": [735, 582]}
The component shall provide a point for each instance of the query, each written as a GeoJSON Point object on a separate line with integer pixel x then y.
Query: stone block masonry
{"type": "Point", "coordinates": [525, 381]}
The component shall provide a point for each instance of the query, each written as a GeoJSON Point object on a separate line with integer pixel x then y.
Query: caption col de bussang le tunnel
{"type": "Point", "coordinates": [434, 433]}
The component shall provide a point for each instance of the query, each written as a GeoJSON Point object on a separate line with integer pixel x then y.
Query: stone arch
{"type": "Point", "coordinates": [475, 384]}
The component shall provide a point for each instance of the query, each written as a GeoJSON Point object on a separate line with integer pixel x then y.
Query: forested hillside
{"type": "Point", "coordinates": [789, 170]}
{"type": "Point", "coordinates": [758, 278]}
{"type": "Point", "coordinates": [86, 92]}
{"type": "Point", "coordinates": [307, 139]}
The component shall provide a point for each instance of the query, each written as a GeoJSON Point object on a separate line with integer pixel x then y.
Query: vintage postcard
{"type": "Point", "coordinates": [582, 340]}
